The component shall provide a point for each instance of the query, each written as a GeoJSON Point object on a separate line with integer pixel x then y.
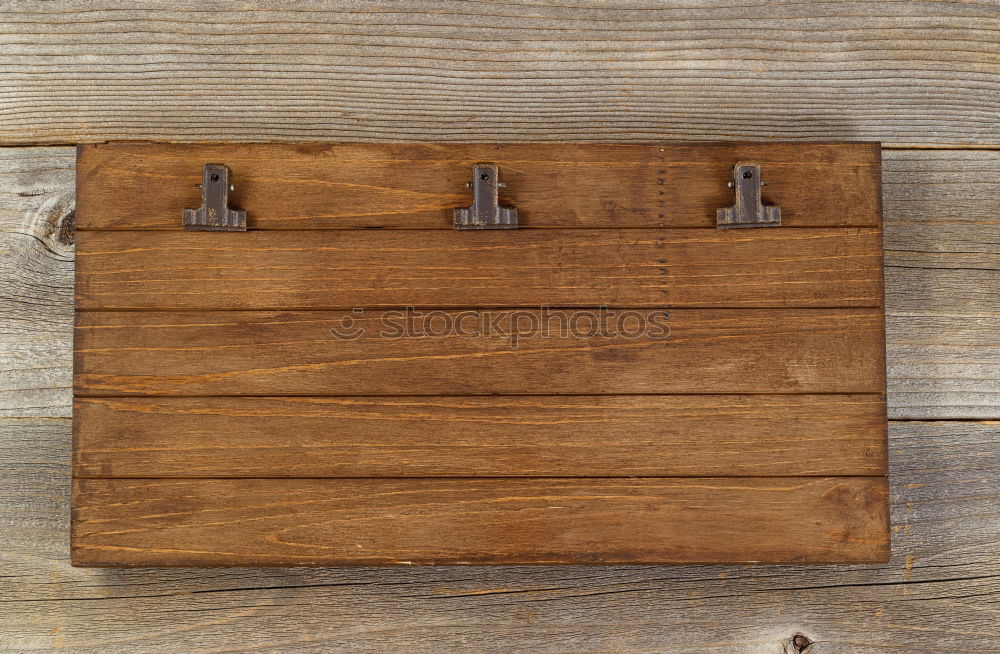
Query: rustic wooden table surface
{"type": "Point", "coordinates": [922, 77]}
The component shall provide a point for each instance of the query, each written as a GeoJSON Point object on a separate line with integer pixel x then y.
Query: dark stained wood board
{"type": "Point", "coordinates": [475, 521]}
{"type": "Point", "coordinates": [579, 268]}
{"type": "Point", "coordinates": [295, 353]}
{"type": "Point", "coordinates": [211, 359]}
{"type": "Point", "coordinates": [516, 436]}
{"type": "Point", "coordinates": [321, 186]}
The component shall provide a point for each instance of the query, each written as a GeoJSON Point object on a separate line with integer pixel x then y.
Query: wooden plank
{"type": "Point", "coordinates": [944, 365]}
{"type": "Point", "coordinates": [942, 284]}
{"type": "Point", "coordinates": [913, 73]}
{"type": "Point", "coordinates": [699, 351]}
{"type": "Point", "coordinates": [692, 435]}
{"type": "Point", "coordinates": [939, 189]}
{"type": "Point", "coordinates": [36, 278]}
{"type": "Point", "coordinates": [464, 521]}
{"type": "Point", "coordinates": [937, 593]}
{"type": "Point", "coordinates": [583, 268]}
{"type": "Point", "coordinates": [344, 185]}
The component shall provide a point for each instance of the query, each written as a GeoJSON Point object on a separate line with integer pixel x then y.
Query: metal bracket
{"type": "Point", "coordinates": [748, 210]}
{"type": "Point", "coordinates": [485, 213]}
{"type": "Point", "coordinates": [214, 214]}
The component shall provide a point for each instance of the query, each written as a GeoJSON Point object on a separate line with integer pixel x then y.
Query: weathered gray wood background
{"type": "Point", "coordinates": [922, 77]}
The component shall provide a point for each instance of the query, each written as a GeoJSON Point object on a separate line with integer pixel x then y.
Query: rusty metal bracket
{"type": "Point", "coordinates": [485, 212]}
{"type": "Point", "coordinates": [214, 213]}
{"type": "Point", "coordinates": [748, 210]}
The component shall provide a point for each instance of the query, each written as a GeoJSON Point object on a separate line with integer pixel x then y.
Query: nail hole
{"type": "Point", "coordinates": [747, 174]}
{"type": "Point", "coordinates": [214, 177]}
{"type": "Point", "coordinates": [484, 176]}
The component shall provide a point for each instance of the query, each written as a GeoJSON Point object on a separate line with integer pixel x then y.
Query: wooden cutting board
{"type": "Point", "coordinates": [352, 381]}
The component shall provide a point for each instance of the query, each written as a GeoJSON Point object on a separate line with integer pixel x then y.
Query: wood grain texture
{"type": "Point", "coordinates": [596, 509]}
{"type": "Point", "coordinates": [295, 353]}
{"type": "Point", "coordinates": [729, 435]}
{"type": "Point", "coordinates": [36, 278]}
{"type": "Point", "coordinates": [943, 283]}
{"type": "Point", "coordinates": [938, 205]}
{"type": "Point", "coordinates": [467, 522]}
{"type": "Point", "coordinates": [506, 268]}
{"type": "Point", "coordinates": [937, 593]}
{"type": "Point", "coordinates": [350, 185]}
{"type": "Point", "coordinates": [911, 73]}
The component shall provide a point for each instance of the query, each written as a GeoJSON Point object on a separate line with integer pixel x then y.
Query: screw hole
{"type": "Point", "coordinates": [214, 177]}
{"type": "Point", "coordinates": [747, 174]}
{"type": "Point", "coordinates": [484, 176]}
